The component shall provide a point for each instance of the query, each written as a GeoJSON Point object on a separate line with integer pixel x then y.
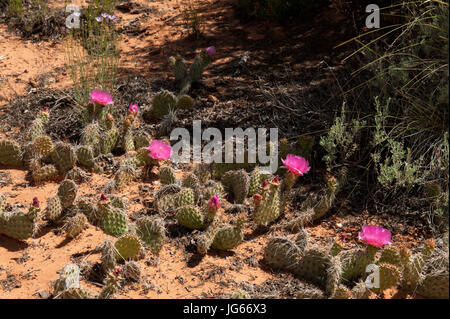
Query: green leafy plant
{"type": "Point", "coordinates": [92, 52]}
{"type": "Point", "coordinates": [193, 21]}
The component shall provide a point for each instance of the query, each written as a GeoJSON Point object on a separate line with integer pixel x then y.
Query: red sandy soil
{"type": "Point", "coordinates": [31, 266]}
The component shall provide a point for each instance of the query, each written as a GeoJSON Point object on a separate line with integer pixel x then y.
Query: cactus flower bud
{"type": "Point", "coordinates": [35, 202]}
{"type": "Point", "coordinates": [133, 109]}
{"type": "Point", "coordinates": [213, 203]}
{"type": "Point", "coordinates": [109, 117]}
{"type": "Point", "coordinates": [103, 197]}
{"type": "Point", "coordinates": [210, 51]}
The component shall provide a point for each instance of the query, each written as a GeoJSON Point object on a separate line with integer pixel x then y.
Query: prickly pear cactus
{"type": "Point", "coordinates": [85, 156]}
{"type": "Point", "coordinates": [44, 173]}
{"type": "Point", "coordinates": [282, 253]}
{"type": "Point", "coordinates": [67, 192]}
{"type": "Point", "coordinates": [167, 175]}
{"type": "Point", "coordinates": [114, 222]}
{"type": "Point", "coordinates": [90, 136]}
{"type": "Point", "coordinates": [64, 157]}
{"type": "Point", "coordinates": [152, 232]}
{"type": "Point", "coordinates": [256, 179]}
{"type": "Point", "coordinates": [89, 210]}
{"type": "Point", "coordinates": [185, 197]}
{"type": "Point", "coordinates": [36, 129]}
{"type": "Point", "coordinates": [355, 261]}
{"type": "Point", "coordinates": [128, 246]}
{"type": "Point", "coordinates": [111, 286]}
{"type": "Point", "coordinates": [212, 188]}
{"type": "Point", "coordinates": [17, 224]}
{"type": "Point", "coordinates": [75, 293]}
{"type": "Point", "coordinates": [199, 65]}
{"type": "Point", "coordinates": [185, 102]}
{"type": "Point", "coordinates": [75, 225]}
{"type": "Point", "coordinates": [108, 258]}
{"type": "Point", "coordinates": [268, 207]}
{"type": "Point", "coordinates": [229, 237]}
{"type": "Point", "coordinates": [389, 275]}
{"type": "Point", "coordinates": [240, 182]}
{"type": "Point", "coordinates": [142, 158]}
{"type": "Point", "coordinates": [313, 265]}
{"type": "Point", "coordinates": [124, 176]}
{"type": "Point", "coordinates": [11, 153]}
{"type": "Point", "coordinates": [180, 68]}
{"type": "Point", "coordinates": [128, 141]}
{"type": "Point", "coordinates": [3, 200]}
{"type": "Point", "coordinates": [206, 238]}
{"type": "Point", "coordinates": [54, 209]}
{"type": "Point", "coordinates": [191, 181]}
{"type": "Point", "coordinates": [163, 102]}
{"type": "Point", "coordinates": [165, 198]}
{"type": "Point", "coordinates": [142, 139]}
{"type": "Point", "coordinates": [43, 145]}
{"type": "Point", "coordinates": [190, 217]}
{"type": "Point", "coordinates": [108, 140]}
{"type": "Point", "coordinates": [69, 278]}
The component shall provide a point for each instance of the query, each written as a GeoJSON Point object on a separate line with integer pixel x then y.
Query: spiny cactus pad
{"type": "Point", "coordinates": [17, 224]}
{"type": "Point", "coordinates": [229, 237]}
{"type": "Point", "coordinates": [151, 231]}
{"type": "Point", "coordinates": [167, 175]}
{"type": "Point", "coordinates": [67, 192]}
{"type": "Point", "coordinates": [190, 217]}
{"type": "Point", "coordinates": [114, 222]}
{"type": "Point", "coordinates": [128, 246]}
{"type": "Point", "coordinates": [75, 225]}
{"type": "Point", "coordinates": [54, 208]}
{"type": "Point", "coordinates": [64, 157]}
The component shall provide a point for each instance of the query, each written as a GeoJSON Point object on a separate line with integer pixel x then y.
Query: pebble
{"type": "Point", "coordinates": [213, 99]}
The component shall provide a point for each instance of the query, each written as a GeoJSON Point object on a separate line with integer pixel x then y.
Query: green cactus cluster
{"type": "Point", "coordinates": [114, 221]}
{"type": "Point", "coordinates": [128, 246]}
{"type": "Point", "coordinates": [11, 154]}
{"type": "Point", "coordinates": [75, 225]}
{"type": "Point", "coordinates": [18, 224]}
{"type": "Point", "coordinates": [165, 102]}
{"type": "Point", "coordinates": [267, 208]}
{"type": "Point", "coordinates": [152, 232]}
{"type": "Point", "coordinates": [335, 270]}
{"type": "Point", "coordinates": [317, 205]}
{"type": "Point", "coordinates": [165, 198]}
{"type": "Point", "coordinates": [228, 237]}
{"type": "Point", "coordinates": [185, 76]}
{"type": "Point", "coordinates": [167, 175]}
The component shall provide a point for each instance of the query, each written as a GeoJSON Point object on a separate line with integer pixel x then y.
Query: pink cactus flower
{"type": "Point", "coordinates": [159, 150]}
{"type": "Point", "coordinates": [46, 110]}
{"type": "Point", "coordinates": [214, 203]}
{"type": "Point", "coordinates": [100, 97]}
{"type": "Point", "coordinates": [375, 235]}
{"type": "Point", "coordinates": [103, 197]}
{"type": "Point", "coordinates": [133, 108]}
{"type": "Point", "coordinates": [35, 202]}
{"type": "Point", "coordinates": [210, 51]}
{"type": "Point", "coordinates": [296, 164]}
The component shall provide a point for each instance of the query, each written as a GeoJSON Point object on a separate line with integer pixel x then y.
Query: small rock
{"type": "Point", "coordinates": [44, 294]}
{"type": "Point", "coordinates": [213, 99]}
